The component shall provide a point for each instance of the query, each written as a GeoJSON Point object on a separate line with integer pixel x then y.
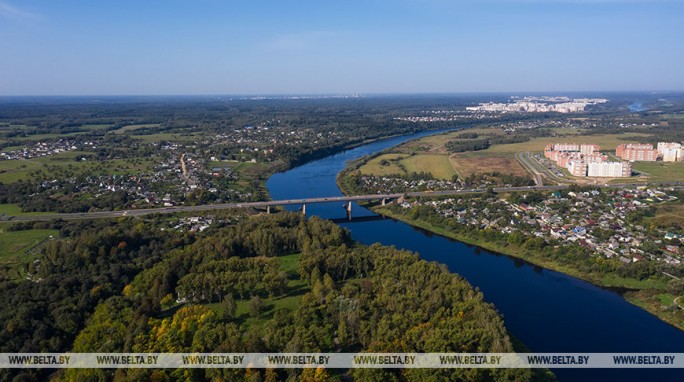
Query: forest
{"type": "Point", "coordinates": [124, 287]}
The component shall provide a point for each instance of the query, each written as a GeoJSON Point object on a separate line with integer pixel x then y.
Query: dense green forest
{"type": "Point", "coordinates": [267, 284]}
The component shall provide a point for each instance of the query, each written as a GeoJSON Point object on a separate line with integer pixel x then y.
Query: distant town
{"type": "Point", "coordinates": [539, 105]}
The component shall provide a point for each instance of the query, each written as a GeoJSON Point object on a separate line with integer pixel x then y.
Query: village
{"type": "Point", "coordinates": [46, 148]}
{"type": "Point", "coordinates": [609, 222]}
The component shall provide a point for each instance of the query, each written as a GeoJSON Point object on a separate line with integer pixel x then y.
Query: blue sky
{"type": "Point", "coordinates": [125, 47]}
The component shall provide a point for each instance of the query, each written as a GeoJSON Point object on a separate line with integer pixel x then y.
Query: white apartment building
{"type": "Point", "coordinates": [609, 169]}
{"type": "Point", "coordinates": [671, 151]}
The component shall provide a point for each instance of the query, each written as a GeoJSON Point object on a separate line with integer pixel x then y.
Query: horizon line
{"type": "Point", "coordinates": [337, 94]}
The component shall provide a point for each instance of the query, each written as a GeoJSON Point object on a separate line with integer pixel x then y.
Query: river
{"type": "Point", "coordinates": [547, 310]}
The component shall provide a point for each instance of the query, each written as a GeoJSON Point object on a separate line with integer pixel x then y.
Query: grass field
{"type": "Point", "coordinates": [373, 166]}
{"type": "Point", "coordinates": [436, 164]}
{"type": "Point", "coordinates": [669, 214]}
{"type": "Point", "coordinates": [150, 138]}
{"type": "Point", "coordinates": [39, 137]}
{"type": "Point", "coordinates": [15, 210]}
{"type": "Point", "coordinates": [661, 171]}
{"type": "Point", "coordinates": [472, 163]}
{"type": "Point", "coordinates": [16, 243]}
{"type": "Point", "coordinates": [435, 143]}
{"type": "Point", "coordinates": [134, 127]}
{"type": "Point", "coordinates": [296, 288]}
{"type": "Point", "coordinates": [95, 127]}
{"type": "Point", "coordinates": [13, 170]}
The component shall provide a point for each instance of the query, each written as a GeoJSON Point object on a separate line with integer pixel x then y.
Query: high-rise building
{"type": "Point", "coordinates": [588, 149]}
{"type": "Point", "coordinates": [637, 152]}
{"type": "Point", "coordinates": [609, 169]}
{"type": "Point", "coordinates": [671, 151]}
{"type": "Point", "coordinates": [577, 167]}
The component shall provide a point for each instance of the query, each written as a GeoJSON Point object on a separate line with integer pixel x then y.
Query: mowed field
{"type": "Point", "coordinates": [661, 171]}
{"type": "Point", "coordinates": [394, 163]}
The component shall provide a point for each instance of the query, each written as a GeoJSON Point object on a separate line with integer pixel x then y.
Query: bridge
{"type": "Point", "coordinates": [347, 200]}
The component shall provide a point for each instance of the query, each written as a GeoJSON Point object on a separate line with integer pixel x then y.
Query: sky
{"type": "Point", "coordinates": [187, 47]}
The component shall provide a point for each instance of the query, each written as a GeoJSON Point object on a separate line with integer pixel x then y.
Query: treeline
{"type": "Point", "coordinates": [498, 178]}
{"type": "Point", "coordinates": [90, 263]}
{"type": "Point", "coordinates": [472, 144]}
{"type": "Point", "coordinates": [357, 298]}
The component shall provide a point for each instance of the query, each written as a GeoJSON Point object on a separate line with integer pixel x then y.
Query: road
{"type": "Point", "coordinates": [523, 160]}
{"type": "Point", "coordinates": [532, 165]}
{"type": "Point", "coordinates": [273, 203]}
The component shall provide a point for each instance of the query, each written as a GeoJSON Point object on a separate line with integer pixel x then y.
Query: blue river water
{"type": "Point", "coordinates": [547, 310]}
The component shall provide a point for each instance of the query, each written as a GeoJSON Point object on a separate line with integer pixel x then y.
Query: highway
{"type": "Point", "coordinates": [537, 169]}
{"type": "Point", "coordinates": [273, 203]}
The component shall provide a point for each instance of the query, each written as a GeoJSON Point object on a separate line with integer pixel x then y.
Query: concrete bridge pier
{"type": "Point", "coordinates": [304, 209]}
{"type": "Point", "coordinates": [348, 208]}
{"type": "Point", "coordinates": [268, 209]}
{"type": "Point", "coordinates": [384, 201]}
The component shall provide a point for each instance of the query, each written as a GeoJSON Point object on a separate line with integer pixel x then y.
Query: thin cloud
{"type": "Point", "coordinates": [10, 11]}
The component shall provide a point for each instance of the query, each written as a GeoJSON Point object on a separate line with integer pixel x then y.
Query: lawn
{"type": "Point", "coordinates": [296, 288]}
{"type": "Point", "coordinates": [661, 171]}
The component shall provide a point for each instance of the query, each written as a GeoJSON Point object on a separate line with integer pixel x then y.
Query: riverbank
{"type": "Point", "coordinates": [642, 293]}
{"type": "Point", "coordinates": [648, 294]}
{"type": "Point", "coordinates": [545, 310]}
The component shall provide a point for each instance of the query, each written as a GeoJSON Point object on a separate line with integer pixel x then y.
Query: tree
{"type": "Point", "coordinates": [256, 306]}
{"type": "Point", "coordinates": [229, 307]}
